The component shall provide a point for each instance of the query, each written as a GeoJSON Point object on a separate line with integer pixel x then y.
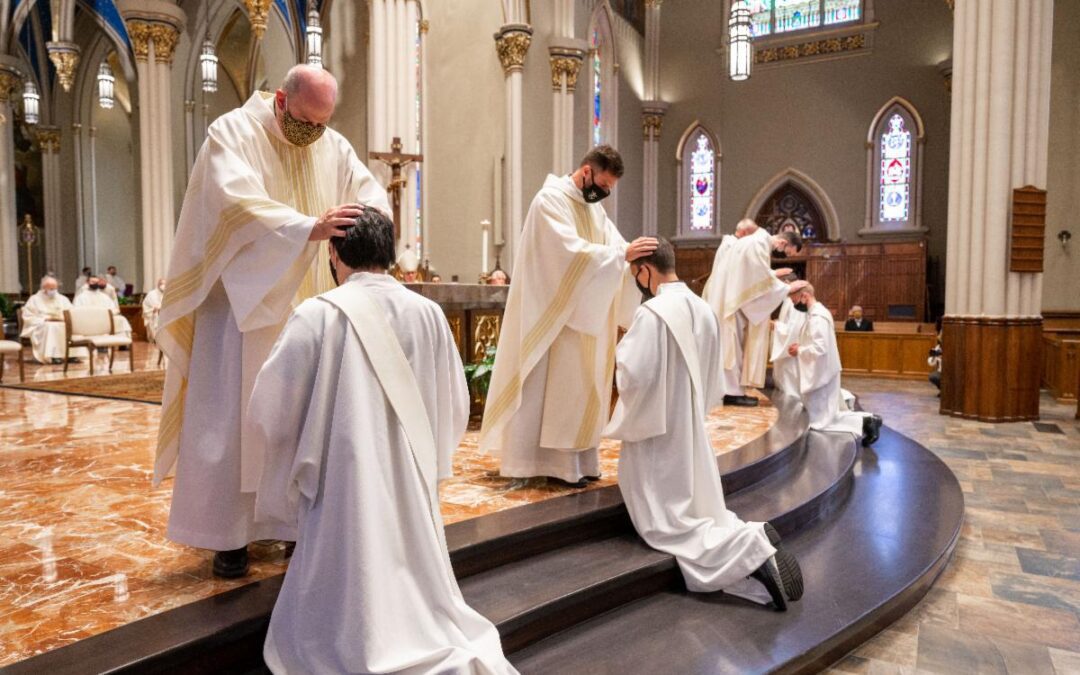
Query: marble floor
{"type": "Point", "coordinates": [1009, 602]}
{"type": "Point", "coordinates": [82, 545]}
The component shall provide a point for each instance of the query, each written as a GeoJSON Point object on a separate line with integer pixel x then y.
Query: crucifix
{"type": "Point", "coordinates": [396, 161]}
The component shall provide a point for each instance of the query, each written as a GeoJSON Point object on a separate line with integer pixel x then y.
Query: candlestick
{"type": "Point", "coordinates": [485, 226]}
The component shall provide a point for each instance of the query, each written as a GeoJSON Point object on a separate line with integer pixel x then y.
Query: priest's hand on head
{"type": "Point", "coordinates": [334, 221]}
{"type": "Point", "coordinates": [793, 350]}
{"type": "Point", "coordinates": [640, 247]}
{"type": "Point", "coordinates": [782, 272]}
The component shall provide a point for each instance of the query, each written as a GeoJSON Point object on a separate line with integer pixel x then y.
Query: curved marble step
{"type": "Point", "coordinates": [499, 538]}
{"type": "Point", "coordinates": [554, 590]}
{"type": "Point", "coordinates": [864, 567]}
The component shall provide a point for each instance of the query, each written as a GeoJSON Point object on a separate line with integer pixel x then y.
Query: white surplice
{"type": "Point", "coordinates": [551, 387]}
{"type": "Point", "coordinates": [667, 467]}
{"type": "Point", "coordinates": [742, 282]}
{"type": "Point", "coordinates": [819, 375]}
{"type": "Point", "coordinates": [785, 368]}
{"type": "Point", "coordinates": [151, 307]}
{"type": "Point", "coordinates": [240, 259]}
{"type": "Point", "coordinates": [369, 588]}
{"type": "Point", "coordinates": [43, 323]}
{"type": "Point", "coordinates": [80, 284]}
{"type": "Point", "coordinates": [95, 298]}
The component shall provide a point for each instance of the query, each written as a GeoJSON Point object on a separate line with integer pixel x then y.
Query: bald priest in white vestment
{"type": "Point", "coordinates": [43, 323]}
{"type": "Point", "coordinates": [551, 387]}
{"type": "Point", "coordinates": [819, 372]}
{"type": "Point", "coordinates": [270, 184]}
{"type": "Point", "coordinates": [668, 375]}
{"type": "Point", "coordinates": [360, 408]}
{"type": "Point", "coordinates": [743, 290]}
{"type": "Point", "coordinates": [97, 293]}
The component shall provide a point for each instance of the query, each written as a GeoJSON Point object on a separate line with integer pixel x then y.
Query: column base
{"type": "Point", "coordinates": [990, 368]}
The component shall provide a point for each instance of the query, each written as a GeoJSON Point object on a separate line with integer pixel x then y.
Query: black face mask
{"type": "Point", "coordinates": [97, 287]}
{"type": "Point", "coordinates": [801, 306]}
{"type": "Point", "coordinates": [594, 193]}
{"type": "Point", "coordinates": [645, 292]}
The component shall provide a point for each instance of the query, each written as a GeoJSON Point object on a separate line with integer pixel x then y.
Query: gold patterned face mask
{"type": "Point", "coordinates": [298, 132]}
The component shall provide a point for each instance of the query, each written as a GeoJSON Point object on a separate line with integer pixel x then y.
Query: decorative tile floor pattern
{"type": "Point", "coordinates": [1009, 601]}
{"type": "Point", "coordinates": [82, 532]}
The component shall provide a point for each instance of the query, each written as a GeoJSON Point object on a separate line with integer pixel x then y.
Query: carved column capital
{"type": "Point", "coordinates": [9, 82]}
{"type": "Point", "coordinates": [164, 37]}
{"type": "Point", "coordinates": [48, 139]}
{"type": "Point", "coordinates": [65, 56]}
{"type": "Point", "coordinates": [258, 13]}
{"type": "Point", "coordinates": [652, 118]}
{"type": "Point", "coordinates": [512, 43]}
{"type": "Point", "coordinates": [653, 4]}
{"type": "Point", "coordinates": [139, 32]}
{"type": "Point", "coordinates": [565, 64]}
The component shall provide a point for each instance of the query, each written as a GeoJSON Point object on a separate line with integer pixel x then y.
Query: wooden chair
{"type": "Point", "coordinates": [11, 347]}
{"type": "Point", "coordinates": [94, 328]}
{"type": "Point", "coordinates": [19, 322]}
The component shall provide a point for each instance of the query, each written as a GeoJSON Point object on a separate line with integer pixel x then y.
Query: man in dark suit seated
{"type": "Point", "coordinates": [856, 322]}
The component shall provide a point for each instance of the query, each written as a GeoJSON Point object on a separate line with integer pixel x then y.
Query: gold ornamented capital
{"type": "Point", "coordinates": [139, 32]}
{"type": "Point", "coordinates": [425, 26]}
{"type": "Point", "coordinates": [512, 44]}
{"type": "Point", "coordinates": [9, 82]}
{"type": "Point", "coordinates": [258, 13]}
{"type": "Point", "coordinates": [651, 124]}
{"type": "Point", "coordinates": [564, 65]}
{"type": "Point", "coordinates": [164, 38]}
{"type": "Point", "coordinates": [48, 139]}
{"type": "Point", "coordinates": [65, 57]}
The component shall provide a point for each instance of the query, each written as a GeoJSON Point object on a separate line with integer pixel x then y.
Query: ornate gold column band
{"type": "Point", "coordinates": [512, 44]}
{"type": "Point", "coordinates": [569, 66]}
{"type": "Point", "coordinates": [163, 36]}
{"type": "Point", "coordinates": [651, 123]}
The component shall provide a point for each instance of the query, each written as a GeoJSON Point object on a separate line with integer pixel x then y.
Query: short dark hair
{"type": "Point", "coordinates": [604, 158]}
{"type": "Point", "coordinates": [792, 238]}
{"type": "Point", "coordinates": [663, 258]}
{"type": "Point", "coordinates": [368, 243]}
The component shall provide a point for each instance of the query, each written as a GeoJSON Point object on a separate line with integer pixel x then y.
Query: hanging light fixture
{"type": "Point", "coordinates": [741, 51]}
{"type": "Point", "coordinates": [106, 86]}
{"type": "Point", "coordinates": [314, 36]}
{"type": "Point", "coordinates": [31, 102]}
{"type": "Point", "coordinates": [208, 65]}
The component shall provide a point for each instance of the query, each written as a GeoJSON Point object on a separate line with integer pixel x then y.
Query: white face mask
{"type": "Point", "coordinates": [51, 294]}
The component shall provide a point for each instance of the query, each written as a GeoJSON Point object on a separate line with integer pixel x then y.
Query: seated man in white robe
{"type": "Point", "coordinates": [819, 373]}
{"type": "Point", "coordinates": [97, 294]}
{"type": "Point", "coordinates": [151, 308]}
{"type": "Point", "coordinates": [785, 368]}
{"type": "Point", "coordinates": [43, 323]}
{"type": "Point", "coordinates": [743, 291]}
{"type": "Point", "coordinates": [115, 281]}
{"type": "Point", "coordinates": [360, 408]}
{"type": "Point", "coordinates": [668, 376]}
{"type": "Point", "coordinates": [82, 280]}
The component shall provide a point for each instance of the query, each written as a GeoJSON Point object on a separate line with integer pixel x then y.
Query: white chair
{"type": "Point", "coordinates": [94, 328]}
{"type": "Point", "coordinates": [11, 347]}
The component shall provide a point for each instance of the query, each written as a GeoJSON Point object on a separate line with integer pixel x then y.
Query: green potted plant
{"type": "Point", "coordinates": [479, 375]}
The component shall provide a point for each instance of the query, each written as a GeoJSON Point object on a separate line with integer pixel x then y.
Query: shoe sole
{"type": "Point", "coordinates": [790, 573]}
{"type": "Point", "coordinates": [769, 577]}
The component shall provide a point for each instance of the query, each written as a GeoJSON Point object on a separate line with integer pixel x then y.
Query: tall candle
{"type": "Point", "coordinates": [485, 227]}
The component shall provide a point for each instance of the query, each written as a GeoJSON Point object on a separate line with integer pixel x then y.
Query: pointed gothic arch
{"type": "Point", "coordinates": [698, 157]}
{"type": "Point", "coordinates": [894, 170]}
{"type": "Point", "coordinates": [805, 185]}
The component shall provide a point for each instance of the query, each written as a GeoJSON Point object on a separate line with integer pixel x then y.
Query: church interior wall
{"type": "Point", "coordinates": [809, 116]}
{"type": "Point", "coordinates": [1061, 284]}
{"type": "Point", "coordinates": [345, 54]}
{"type": "Point", "coordinates": [538, 117]}
{"type": "Point", "coordinates": [465, 131]}
{"type": "Point", "coordinates": [117, 215]}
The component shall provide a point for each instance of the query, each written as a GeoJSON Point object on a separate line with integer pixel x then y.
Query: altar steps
{"type": "Point", "coordinates": [864, 566]}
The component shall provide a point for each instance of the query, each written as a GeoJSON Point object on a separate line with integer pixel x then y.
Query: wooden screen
{"type": "Point", "coordinates": [1028, 229]}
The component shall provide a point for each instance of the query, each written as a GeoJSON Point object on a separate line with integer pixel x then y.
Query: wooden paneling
{"type": "Point", "coordinates": [989, 368]}
{"type": "Point", "coordinates": [1061, 365]}
{"type": "Point", "coordinates": [133, 313]}
{"type": "Point", "coordinates": [900, 355]}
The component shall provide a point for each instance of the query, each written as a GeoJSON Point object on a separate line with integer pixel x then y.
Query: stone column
{"type": "Point", "coordinates": [10, 82]}
{"type": "Point", "coordinates": [992, 330]}
{"type": "Point", "coordinates": [652, 117]}
{"type": "Point", "coordinates": [565, 54]}
{"type": "Point", "coordinates": [154, 27]}
{"type": "Point", "coordinates": [512, 43]}
{"type": "Point", "coordinates": [48, 139]}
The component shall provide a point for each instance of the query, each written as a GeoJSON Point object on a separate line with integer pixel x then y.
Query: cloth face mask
{"type": "Point", "coordinates": [300, 134]}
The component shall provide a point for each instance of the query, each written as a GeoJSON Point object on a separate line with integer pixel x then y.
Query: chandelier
{"type": "Point", "coordinates": [31, 103]}
{"type": "Point", "coordinates": [741, 49]}
{"type": "Point", "coordinates": [106, 85]}
{"type": "Point", "coordinates": [208, 66]}
{"type": "Point", "coordinates": [314, 37]}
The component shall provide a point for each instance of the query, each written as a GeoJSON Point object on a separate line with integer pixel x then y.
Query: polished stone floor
{"type": "Point", "coordinates": [1009, 601]}
{"type": "Point", "coordinates": [82, 545]}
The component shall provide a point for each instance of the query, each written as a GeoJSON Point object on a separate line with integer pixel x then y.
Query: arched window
{"type": "Point", "coordinates": [894, 175]}
{"type": "Point", "coordinates": [773, 17]}
{"type": "Point", "coordinates": [602, 60]}
{"type": "Point", "coordinates": [699, 187]}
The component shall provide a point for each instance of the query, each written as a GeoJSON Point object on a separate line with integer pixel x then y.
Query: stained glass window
{"type": "Point", "coordinates": [702, 184]}
{"type": "Point", "coordinates": [842, 11]}
{"type": "Point", "coordinates": [596, 107]}
{"type": "Point", "coordinates": [783, 16]}
{"type": "Point", "coordinates": [895, 173]}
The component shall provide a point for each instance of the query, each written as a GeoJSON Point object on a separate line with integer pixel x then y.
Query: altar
{"type": "Point", "coordinates": [474, 312]}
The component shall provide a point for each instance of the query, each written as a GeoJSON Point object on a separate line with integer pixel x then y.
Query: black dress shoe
{"type": "Point", "coordinates": [871, 429]}
{"type": "Point", "coordinates": [56, 362]}
{"type": "Point", "coordinates": [742, 401]}
{"type": "Point", "coordinates": [769, 576]}
{"type": "Point", "coordinates": [231, 564]}
{"type": "Point", "coordinates": [290, 546]}
{"type": "Point", "coordinates": [790, 572]}
{"type": "Point", "coordinates": [584, 482]}
{"type": "Point", "coordinates": [592, 479]}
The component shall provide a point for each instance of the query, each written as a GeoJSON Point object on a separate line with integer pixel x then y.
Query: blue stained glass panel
{"type": "Point", "coordinates": [597, 109]}
{"type": "Point", "coordinates": [796, 14]}
{"type": "Point", "coordinates": [702, 184]}
{"type": "Point", "coordinates": [895, 170]}
{"type": "Point", "coordinates": [842, 11]}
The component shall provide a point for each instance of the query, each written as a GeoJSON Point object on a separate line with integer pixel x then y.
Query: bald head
{"type": "Point", "coordinates": [309, 92]}
{"type": "Point", "coordinates": [49, 283]}
{"type": "Point", "coordinates": [744, 227]}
